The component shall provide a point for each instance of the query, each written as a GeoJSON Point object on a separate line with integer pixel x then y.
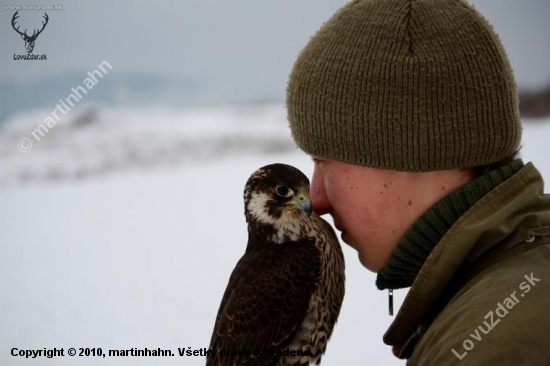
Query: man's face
{"type": "Point", "coordinates": [373, 208]}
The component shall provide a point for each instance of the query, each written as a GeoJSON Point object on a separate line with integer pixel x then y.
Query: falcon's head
{"type": "Point", "coordinates": [276, 200]}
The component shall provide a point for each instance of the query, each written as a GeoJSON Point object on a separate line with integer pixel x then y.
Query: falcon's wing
{"type": "Point", "coordinates": [266, 301]}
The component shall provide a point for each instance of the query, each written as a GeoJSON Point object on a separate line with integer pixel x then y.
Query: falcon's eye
{"type": "Point", "coordinates": [283, 191]}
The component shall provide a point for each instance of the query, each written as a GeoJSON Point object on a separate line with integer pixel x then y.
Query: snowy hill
{"type": "Point", "coordinates": [100, 141]}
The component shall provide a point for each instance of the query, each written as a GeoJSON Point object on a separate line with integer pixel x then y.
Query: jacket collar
{"type": "Point", "coordinates": [426, 232]}
{"type": "Point", "coordinates": [504, 217]}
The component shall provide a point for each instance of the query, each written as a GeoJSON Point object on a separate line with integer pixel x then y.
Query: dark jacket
{"type": "Point", "coordinates": [483, 295]}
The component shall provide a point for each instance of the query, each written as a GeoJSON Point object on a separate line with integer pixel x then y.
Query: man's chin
{"type": "Point", "coordinates": [343, 237]}
{"type": "Point", "coordinates": [362, 259]}
{"type": "Point", "coordinates": [346, 239]}
{"type": "Point", "coordinates": [365, 263]}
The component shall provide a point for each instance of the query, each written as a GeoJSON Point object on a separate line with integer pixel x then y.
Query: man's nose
{"type": "Point", "coordinates": [318, 194]}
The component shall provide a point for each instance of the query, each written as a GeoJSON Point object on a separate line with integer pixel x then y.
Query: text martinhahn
{"type": "Point", "coordinates": [140, 352]}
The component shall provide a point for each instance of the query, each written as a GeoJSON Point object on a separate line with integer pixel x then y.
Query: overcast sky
{"type": "Point", "coordinates": [233, 44]}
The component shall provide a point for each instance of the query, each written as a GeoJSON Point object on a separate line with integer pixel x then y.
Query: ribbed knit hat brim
{"type": "Point", "coordinates": [409, 85]}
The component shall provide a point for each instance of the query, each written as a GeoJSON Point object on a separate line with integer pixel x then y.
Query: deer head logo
{"type": "Point", "coordinates": [29, 40]}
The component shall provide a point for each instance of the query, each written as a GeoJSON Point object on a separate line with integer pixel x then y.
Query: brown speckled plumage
{"type": "Point", "coordinates": [287, 289]}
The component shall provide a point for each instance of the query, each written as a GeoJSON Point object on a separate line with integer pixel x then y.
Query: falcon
{"type": "Point", "coordinates": [284, 295]}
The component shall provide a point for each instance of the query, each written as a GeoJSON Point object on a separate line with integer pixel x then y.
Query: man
{"type": "Point", "coordinates": [409, 110]}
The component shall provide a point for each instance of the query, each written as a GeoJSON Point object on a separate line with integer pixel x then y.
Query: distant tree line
{"type": "Point", "coordinates": [535, 104]}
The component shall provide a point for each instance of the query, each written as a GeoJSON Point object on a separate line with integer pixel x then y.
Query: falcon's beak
{"type": "Point", "coordinates": [306, 206]}
{"type": "Point", "coordinates": [303, 202]}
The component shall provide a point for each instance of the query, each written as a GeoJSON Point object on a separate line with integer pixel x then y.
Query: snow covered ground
{"type": "Point", "coordinates": [119, 230]}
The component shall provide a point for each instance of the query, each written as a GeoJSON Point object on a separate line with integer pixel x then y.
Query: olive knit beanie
{"type": "Point", "coordinates": [409, 85]}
